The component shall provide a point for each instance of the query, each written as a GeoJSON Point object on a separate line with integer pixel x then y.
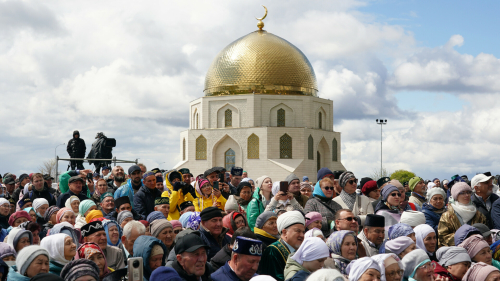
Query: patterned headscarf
{"type": "Point", "coordinates": [334, 243]}
{"type": "Point", "coordinates": [147, 174]}
{"type": "Point", "coordinates": [399, 229]}
{"type": "Point", "coordinates": [50, 211]}
{"type": "Point", "coordinates": [86, 250]}
{"type": "Point", "coordinates": [109, 223]}
{"type": "Point", "coordinates": [194, 221]}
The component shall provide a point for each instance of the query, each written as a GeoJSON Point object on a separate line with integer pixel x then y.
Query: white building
{"type": "Point", "coordinates": [261, 112]}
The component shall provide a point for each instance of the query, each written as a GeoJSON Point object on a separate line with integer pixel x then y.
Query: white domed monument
{"type": "Point", "coordinates": [261, 112]}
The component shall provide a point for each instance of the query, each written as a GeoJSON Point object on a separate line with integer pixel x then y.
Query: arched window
{"type": "Point", "coordinates": [318, 161]}
{"type": "Point", "coordinates": [285, 147]}
{"type": "Point", "coordinates": [310, 149]}
{"type": "Point", "coordinates": [334, 150]}
{"type": "Point", "coordinates": [281, 117]}
{"type": "Point", "coordinates": [201, 148]}
{"type": "Point", "coordinates": [183, 149]}
{"type": "Point", "coordinates": [196, 120]}
{"type": "Point", "coordinates": [320, 118]}
{"type": "Point", "coordinates": [229, 159]}
{"type": "Point", "coordinates": [228, 118]}
{"type": "Point", "coordinates": [253, 147]}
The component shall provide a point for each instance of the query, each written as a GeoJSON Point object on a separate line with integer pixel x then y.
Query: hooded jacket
{"type": "Point", "coordinates": [481, 207]}
{"type": "Point", "coordinates": [127, 190]}
{"type": "Point", "coordinates": [431, 216]}
{"type": "Point", "coordinates": [449, 224]}
{"type": "Point", "coordinates": [144, 200]}
{"type": "Point", "coordinates": [255, 208]}
{"type": "Point", "coordinates": [142, 249]}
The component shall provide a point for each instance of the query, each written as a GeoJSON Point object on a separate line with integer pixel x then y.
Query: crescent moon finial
{"type": "Point", "coordinates": [260, 24]}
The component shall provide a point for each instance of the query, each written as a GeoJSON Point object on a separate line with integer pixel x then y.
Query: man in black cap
{"type": "Point", "coordinates": [191, 254]}
{"type": "Point", "coordinates": [373, 234]}
{"type": "Point", "coordinates": [211, 230]}
{"type": "Point", "coordinates": [94, 232]}
{"type": "Point", "coordinates": [75, 188]}
{"type": "Point", "coordinates": [76, 149]}
{"type": "Point", "coordinates": [336, 185]}
{"type": "Point", "coordinates": [186, 206]}
{"type": "Point", "coordinates": [186, 175]}
{"type": "Point", "coordinates": [245, 258]}
{"type": "Point", "coordinates": [9, 180]}
{"type": "Point", "coordinates": [212, 175]}
{"type": "Point", "coordinates": [132, 186]}
{"type": "Point", "coordinates": [235, 179]}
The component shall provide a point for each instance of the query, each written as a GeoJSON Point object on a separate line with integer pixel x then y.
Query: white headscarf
{"type": "Point", "coordinates": [326, 275]}
{"type": "Point", "coordinates": [313, 233]}
{"type": "Point", "coordinates": [4, 201]}
{"type": "Point", "coordinates": [54, 244]}
{"type": "Point", "coordinates": [290, 218]}
{"type": "Point", "coordinates": [262, 278]}
{"type": "Point", "coordinates": [412, 218]}
{"type": "Point", "coordinates": [313, 248]}
{"type": "Point", "coordinates": [37, 203]}
{"type": "Point", "coordinates": [421, 232]}
{"type": "Point", "coordinates": [357, 267]}
{"type": "Point", "coordinates": [380, 259]}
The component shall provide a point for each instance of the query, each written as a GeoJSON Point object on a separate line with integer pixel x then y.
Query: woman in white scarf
{"type": "Point", "coordinates": [310, 257]}
{"type": "Point", "coordinates": [61, 250]}
{"type": "Point", "coordinates": [391, 267]}
{"type": "Point", "coordinates": [460, 212]}
{"type": "Point", "coordinates": [426, 239]}
{"type": "Point", "coordinates": [363, 269]}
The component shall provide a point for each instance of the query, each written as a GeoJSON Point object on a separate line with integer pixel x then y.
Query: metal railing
{"type": "Point", "coordinates": [114, 161]}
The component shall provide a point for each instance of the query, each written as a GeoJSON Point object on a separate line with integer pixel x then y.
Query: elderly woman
{"type": "Point", "coordinates": [85, 207]}
{"type": "Point", "coordinates": [388, 207]}
{"type": "Point", "coordinates": [310, 257]}
{"type": "Point", "coordinates": [418, 266]}
{"type": "Point", "coordinates": [401, 229]}
{"type": "Point", "coordinates": [478, 250]}
{"type": "Point", "coordinates": [31, 261]}
{"type": "Point", "coordinates": [343, 245]}
{"type": "Point", "coordinates": [65, 215]}
{"type": "Point", "coordinates": [40, 205]}
{"type": "Point", "coordinates": [68, 229]}
{"type": "Point", "coordinates": [391, 267]}
{"type": "Point", "coordinates": [266, 228]}
{"type": "Point", "coordinates": [208, 196]}
{"type": "Point", "coordinates": [101, 186]}
{"type": "Point", "coordinates": [482, 271]}
{"type": "Point", "coordinates": [364, 269]}
{"type": "Point", "coordinates": [321, 202]}
{"type": "Point", "coordinates": [314, 220]}
{"type": "Point", "coordinates": [306, 189]}
{"type": "Point", "coordinates": [19, 238]}
{"type": "Point", "coordinates": [163, 230]}
{"type": "Point", "coordinates": [19, 217]}
{"type": "Point", "coordinates": [73, 203]}
{"type": "Point", "coordinates": [92, 252]}
{"type": "Point", "coordinates": [435, 207]}
{"type": "Point", "coordinates": [260, 199]}
{"type": "Point", "coordinates": [233, 222]}
{"type": "Point", "coordinates": [61, 250]}
{"type": "Point", "coordinates": [460, 212]}
{"type": "Point", "coordinates": [400, 246]}
{"type": "Point", "coordinates": [348, 198]}
{"type": "Point", "coordinates": [426, 240]}
{"type": "Point", "coordinates": [113, 231]}
{"type": "Point", "coordinates": [453, 263]}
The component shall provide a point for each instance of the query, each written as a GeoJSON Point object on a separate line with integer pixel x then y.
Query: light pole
{"type": "Point", "coordinates": [381, 122]}
{"type": "Point", "coordinates": [55, 157]}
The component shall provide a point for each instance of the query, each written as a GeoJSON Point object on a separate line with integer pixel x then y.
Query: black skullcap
{"type": "Point", "coordinates": [363, 181]}
{"type": "Point", "coordinates": [210, 213]}
{"type": "Point", "coordinates": [382, 181]}
{"type": "Point", "coordinates": [375, 220]}
{"type": "Point", "coordinates": [185, 204]}
{"type": "Point", "coordinates": [336, 174]}
{"type": "Point", "coordinates": [241, 186]}
{"type": "Point", "coordinates": [162, 200]}
{"type": "Point", "coordinates": [121, 200]}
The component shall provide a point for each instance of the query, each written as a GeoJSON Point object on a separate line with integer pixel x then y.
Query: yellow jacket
{"type": "Point", "coordinates": [176, 199]}
{"type": "Point", "coordinates": [202, 202]}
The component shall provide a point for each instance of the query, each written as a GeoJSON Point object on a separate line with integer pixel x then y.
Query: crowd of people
{"type": "Point", "coordinates": [223, 225]}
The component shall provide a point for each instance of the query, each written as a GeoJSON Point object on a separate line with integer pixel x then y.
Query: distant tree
{"type": "Point", "coordinates": [48, 167]}
{"type": "Point", "coordinates": [377, 174]}
{"type": "Point", "coordinates": [402, 175]}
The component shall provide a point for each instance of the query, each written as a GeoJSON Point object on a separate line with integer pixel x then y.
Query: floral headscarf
{"type": "Point", "coordinates": [194, 221]}
{"type": "Point", "coordinates": [86, 250]}
{"type": "Point", "coordinates": [334, 243]}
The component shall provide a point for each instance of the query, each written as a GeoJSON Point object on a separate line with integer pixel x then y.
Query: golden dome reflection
{"type": "Point", "coordinates": [261, 63]}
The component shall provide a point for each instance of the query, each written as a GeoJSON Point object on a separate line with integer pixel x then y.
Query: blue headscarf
{"type": "Point", "coordinates": [398, 230]}
{"type": "Point", "coordinates": [184, 218]}
{"type": "Point", "coordinates": [107, 224]}
{"type": "Point", "coordinates": [317, 191]}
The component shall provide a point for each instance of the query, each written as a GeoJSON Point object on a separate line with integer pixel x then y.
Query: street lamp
{"type": "Point", "coordinates": [55, 157]}
{"type": "Point", "coordinates": [381, 122]}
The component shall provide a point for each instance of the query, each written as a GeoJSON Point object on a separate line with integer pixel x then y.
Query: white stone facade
{"type": "Point", "coordinates": [258, 114]}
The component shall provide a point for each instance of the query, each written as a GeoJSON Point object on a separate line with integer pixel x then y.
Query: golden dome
{"type": "Point", "coordinates": [261, 63]}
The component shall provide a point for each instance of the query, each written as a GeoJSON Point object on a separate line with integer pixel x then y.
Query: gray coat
{"type": "Point", "coordinates": [315, 205]}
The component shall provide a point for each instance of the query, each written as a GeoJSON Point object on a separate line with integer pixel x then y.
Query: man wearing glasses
{"type": "Point", "coordinates": [359, 204]}
{"type": "Point", "coordinates": [345, 220]}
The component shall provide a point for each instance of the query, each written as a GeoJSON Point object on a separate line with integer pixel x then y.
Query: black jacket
{"type": "Point", "coordinates": [481, 207]}
{"type": "Point", "coordinates": [144, 200]}
{"type": "Point", "coordinates": [4, 222]}
{"type": "Point", "coordinates": [61, 200]}
{"type": "Point", "coordinates": [76, 148]}
{"type": "Point", "coordinates": [221, 257]}
{"type": "Point", "coordinates": [44, 193]}
{"type": "Point", "coordinates": [184, 276]}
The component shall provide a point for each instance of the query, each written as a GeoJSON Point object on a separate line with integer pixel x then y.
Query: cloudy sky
{"type": "Point", "coordinates": [130, 69]}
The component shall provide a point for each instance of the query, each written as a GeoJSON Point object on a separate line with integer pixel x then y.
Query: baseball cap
{"type": "Point", "coordinates": [479, 178]}
{"type": "Point", "coordinates": [9, 179]}
{"type": "Point", "coordinates": [189, 243]}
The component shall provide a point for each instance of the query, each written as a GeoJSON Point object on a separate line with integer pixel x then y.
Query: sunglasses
{"type": "Point", "coordinates": [177, 231]}
{"type": "Point", "coordinates": [353, 181]}
{"type": "Point", "coordinates": [349, 219]}
{"type": "Point", "coordinates": [396, 194]}
{"type": "Point", "coordinates": [328, 187]}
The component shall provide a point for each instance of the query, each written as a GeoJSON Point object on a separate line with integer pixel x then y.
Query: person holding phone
{"type": "Point", "coordinates": [209, 196]}
{"type": "Point", "coordinates": [217, 174]}
{"type": "Point", "coordinates": [283, 199]}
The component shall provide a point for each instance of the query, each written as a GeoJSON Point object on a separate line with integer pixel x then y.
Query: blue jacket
{"type": "Point", "coordinates": [15, 276]}
{"type": "Point", "coordinates": [431, 217]}
{"type": "Point", "coordinates": [55, 268]}
{"type": "Point", "coordinates": [215, 246]}
{"type": "Point", "coordinates": [301, 275]}
{"type": "Point", "coordinates": [495, 214]}
{"type": "Point", "coordinates": [142, 248]}
{"type": "Point", "coordinates": [144, 200]}
{"type": "Point", "coordinates": [225, 274]}
{"type": "Point", "coordinates": [126, 190]}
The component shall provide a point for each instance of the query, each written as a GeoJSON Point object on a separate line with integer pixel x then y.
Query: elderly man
{"type": "Point", "coordinates": [373, 234]}
{"type": "Point", "coordinates": [417, 188]}
{"type": "Point", "coordinates": [75, 189]}
{"type": "Point", "coordinates": [133, 184]}
{"type": "Point", "coordinates": [245, 257]}
{"type": "Point", "coordinates": [360, 205]}
{"type": "Point", "coordinates": [94, 232]}
{"type": "Point", "coordinates": [117, 179]}
{"type": "Point", "coordinates": [291, 225]}
{"type": "Point", "coordinates": [191, 255]}
{"type": "Point", "coordinates": [235, 179]}
{"type": "Point", "coordinates": [211, 230]}
{"type": "Point", "coordinates": [131, 231]}
{"type": "Point", "coordinates": [294, 188]}
{"type": "Point", "coordinates": [162, 204]}
{"type": "Point", "coordinates": [483, 196]}
{"type": "Point", "coordinates": [107, 204]}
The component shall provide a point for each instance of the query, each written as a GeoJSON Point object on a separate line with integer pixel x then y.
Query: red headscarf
{"type": "Point", "coordinates": [86, 250]}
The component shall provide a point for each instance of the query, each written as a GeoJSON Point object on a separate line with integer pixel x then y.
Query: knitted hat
{"type": "Point", "coordinates": [231, 204]}
{"type": "Point", "coordinates": [368, 187]}
{"type": "Point", "coordinates": [413, 182]}
{"type": "Point", "coordinates": [156, 250]}
{"type": "Point", "coordinates": [27, 255]}
{"type": "Point", "coordinates": [387, 190]}
{"type": "Point", "coordinates": [50, 211]}
{"type": "Point", "coordinates": [156, 215]}
{"type": "Point", "coordinates": [158, 226]}
{"type": "Point", "coordinates": [210, 213]}
{"type": "Point", "coordinates": [93, 214]}
{"type": "Point", "coordinates": [18, 214]}
{"type": "Point", "coordinates": [85, 206]}
{"type": "Point", "coordinates": [312, 217]}
{"type": "Point", "coordinates": [175, 223]}
{"type": "Point", "coordinates": [435, 191]}
{"type": "Point", "coordinates": [123, 215]}
{"type": "Point", "coordinates": [345, 177]}
{"type": "Point", "coordinates": [459, 187]}
{"type": "Point", "coordinates": [79, 268]}
{"type": "Point", "coordinates": [263, 218]}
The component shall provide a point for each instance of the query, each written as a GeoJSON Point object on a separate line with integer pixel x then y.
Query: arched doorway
{"type": "Point", "coordinates": [229, 159]}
